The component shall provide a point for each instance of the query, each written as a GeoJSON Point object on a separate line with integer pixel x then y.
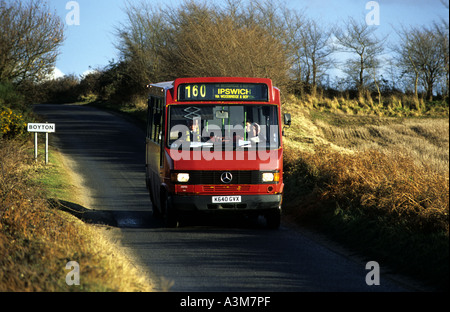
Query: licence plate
{"type": "Point", "coordinates": [226, 199]}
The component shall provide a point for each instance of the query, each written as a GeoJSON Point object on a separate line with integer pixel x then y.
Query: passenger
{"type": "Point", "coordinates": [253, 130]}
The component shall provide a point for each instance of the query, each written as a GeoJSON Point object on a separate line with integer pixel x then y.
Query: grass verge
{"type": "Point", "coordinates": [384, 206]}
{"type": "Point", "coordinates": [379, 185]}
{"type": "Point", "coordinates": [37, 239]}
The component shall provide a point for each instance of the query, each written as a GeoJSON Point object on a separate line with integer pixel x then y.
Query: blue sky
{"type": "Point", "coordinates": [90, 44]}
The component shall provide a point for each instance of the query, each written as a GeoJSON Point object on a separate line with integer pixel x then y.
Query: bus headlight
{"type": "Point", "coordinates": [179, 177]}
{"type": "Point", "coordinates": [267, 177]}
{"type": "Point", "coordinates": [270, 176]}
{"type": "Point", "coordinates": [183, 177]}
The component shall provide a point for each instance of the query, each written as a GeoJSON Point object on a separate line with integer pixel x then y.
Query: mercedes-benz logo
{"type": "Point", "coordinates": [226, 177]}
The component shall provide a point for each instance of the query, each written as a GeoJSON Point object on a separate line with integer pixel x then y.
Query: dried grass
{"type": "Point", "coordinates": [385, 185]}
{"type": "Point", "coordinates": [388, 205]}
{"type": "Point", "coordinates": [378, 184]}
{"type": "Point", "coordinates": [37, 240]}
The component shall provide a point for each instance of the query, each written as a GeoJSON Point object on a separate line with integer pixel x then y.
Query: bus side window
{"type": "Point", "coordinates": [150, 117]}
{"type": "Point", "coordinates": [156, 119]}
{"type": "Point", "coordinates": [157, 125]}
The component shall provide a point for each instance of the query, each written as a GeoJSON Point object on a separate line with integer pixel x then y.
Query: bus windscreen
{"type": "Point", "coordinates": [235, 126]}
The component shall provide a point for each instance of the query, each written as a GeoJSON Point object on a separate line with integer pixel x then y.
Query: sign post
{"type": "Point", "coordinates": [41, 128]}
{"type": "Point", "coordinates": [35, 146]}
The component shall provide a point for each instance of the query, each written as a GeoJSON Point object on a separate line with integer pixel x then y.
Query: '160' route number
{"type": "Point", "coordinates": [196, 90]}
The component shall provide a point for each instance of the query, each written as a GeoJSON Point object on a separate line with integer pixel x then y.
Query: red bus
{"type": "Point", "coordinates": [214, 145]}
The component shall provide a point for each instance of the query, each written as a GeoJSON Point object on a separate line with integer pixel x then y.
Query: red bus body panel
{"type": "Point", "coordinates": [257, 194]}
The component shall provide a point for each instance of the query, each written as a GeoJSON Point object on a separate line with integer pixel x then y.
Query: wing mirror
{"type": "Point", "coordinates": [287, 120]}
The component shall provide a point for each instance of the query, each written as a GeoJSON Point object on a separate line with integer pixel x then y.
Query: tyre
{"type": "Point", "coordinates": [156, 213]}
{"type": "Point", "coordinates": [170, 215]}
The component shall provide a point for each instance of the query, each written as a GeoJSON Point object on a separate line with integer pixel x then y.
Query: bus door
{"type": "Point", "coordinates": [154, 147]}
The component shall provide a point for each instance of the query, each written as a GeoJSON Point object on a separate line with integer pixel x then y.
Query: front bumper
{"type": "Point", "coordinates": [249, 203]}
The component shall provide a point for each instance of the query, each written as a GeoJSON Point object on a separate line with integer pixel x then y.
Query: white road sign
{"type": "Point", "coordinates": [42, 127]}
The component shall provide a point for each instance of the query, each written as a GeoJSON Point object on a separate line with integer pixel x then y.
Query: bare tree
{"type": "Point", "coordinates": [30, 36]}
{"type": "Point", "coordinates": [360, 39]}
{"type": "Point", "coordinates": [421, 50]}
{"type": "Point", "coordinates": [283, 24]}
{"type": "Point", "coordinates": [294, 24]}
{"type": "Point", "coordinates": [442, 33]}
{"type": "Point", "coordinates": [406, 56]}
{"type": "Point", "coordinates": [316, 50]}
{"type": "Point", "coordinates": [430, 56]}
{"type": "Point", "coordinates": [197, 39]}
{"type": "Point", "coordinates": [140, 42]}
{"type": "Point", "coordinates": [214, 43]}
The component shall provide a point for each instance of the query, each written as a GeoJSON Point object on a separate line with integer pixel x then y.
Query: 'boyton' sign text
{"type": "Point", "coordinates": [41, 127]}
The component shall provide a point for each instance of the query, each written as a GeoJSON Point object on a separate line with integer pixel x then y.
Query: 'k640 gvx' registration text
{"type": "Point", "coordinates": [226, 199]}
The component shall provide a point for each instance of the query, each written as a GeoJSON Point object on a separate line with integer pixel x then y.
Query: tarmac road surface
{"type": "Point", "coordinates": [208, 255]}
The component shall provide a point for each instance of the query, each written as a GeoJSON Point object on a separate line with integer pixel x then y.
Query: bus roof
{"type": "Point", "coordinates": [163, 85]}
{"type": "Point", "coordinates": [159, 89]}
{"type": "Point", "coordinates": [170, 84]}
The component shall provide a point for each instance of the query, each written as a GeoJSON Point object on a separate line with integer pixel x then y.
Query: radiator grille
{"type": "Point", "coordinates": [226, 188]}
{"type": "Point", "coordinates": [214, 177]}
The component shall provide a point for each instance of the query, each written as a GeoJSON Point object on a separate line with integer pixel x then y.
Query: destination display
{"type": "Point", "coordinates": [223, 92]}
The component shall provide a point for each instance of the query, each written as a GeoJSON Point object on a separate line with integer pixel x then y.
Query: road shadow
{"type": "Point", "coordinates": [113, 218]}
{"type": "Point", "coordinates": [86, 215]}
{"type": "Point", "coordinates": [145, 219]}
{"type": "Point", "coordinates": [226, 221]}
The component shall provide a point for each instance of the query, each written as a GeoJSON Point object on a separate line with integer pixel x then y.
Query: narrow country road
{"type": "Point", "coordinates": [208, 255]}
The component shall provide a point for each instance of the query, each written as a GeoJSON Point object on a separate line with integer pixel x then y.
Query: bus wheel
{"type": "Point", "coordinates": [156, 213]}
{"type": "Point", "coordinates": [170, 216]}
{"type": "Point", "coordinates": [273, 219]}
